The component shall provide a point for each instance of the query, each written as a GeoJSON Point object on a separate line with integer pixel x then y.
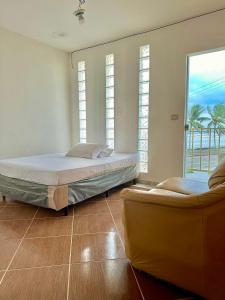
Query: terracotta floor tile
{"type": "Point", "coordinates": [96, 247]}
{"type": "Point", "coordinates": [1, 274]}
{"type": "Point", "coordinates": [119, 224]}
{"type": "Point", "coordinates": [114, 195]}
{"type": "Point", "coordinates": [49, 213]}
{"type": "Point", "coordinates": [21, 212]}
{"type": "Point", "coordinates": [116, 206]}
{"type": "Point", "coordinates": [7, 250]}
{"type": "Point", "coordinates": [50, 227]}
{"type": "Point", "coordinates": [13, 229]}
{"type": "Point", "coordinates": [40, 252]}
{"type": "Point", "coordinates": [109, 280]}
{"type": "Point", "coordinates": [91, 207]}
{"type": "Point", "coordinates": [103, 273]}
{"type": "Point", "coordinates": [35, 284]}
{"type": "Point", "coordinates": [93, 224]}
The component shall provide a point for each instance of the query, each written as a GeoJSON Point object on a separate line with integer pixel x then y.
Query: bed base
{"type": "Point", "coordinates": [66, 209]}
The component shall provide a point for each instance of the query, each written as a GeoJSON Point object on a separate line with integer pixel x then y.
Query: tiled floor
{"type": "Point", "coordinates": [46, 256]}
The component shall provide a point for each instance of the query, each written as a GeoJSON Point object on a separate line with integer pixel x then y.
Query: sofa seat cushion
{"type": "Point", "coordinates": [184, 186]}
{"type": "Point", "coordinates": [165, 193]}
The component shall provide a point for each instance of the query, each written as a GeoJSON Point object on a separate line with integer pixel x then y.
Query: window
{"type": "Point", "coordinates": [82, 101]}
{"type": "Point", "coordinates": [109, 99]}
{"type": "Point", "coordinates": [143, 117]}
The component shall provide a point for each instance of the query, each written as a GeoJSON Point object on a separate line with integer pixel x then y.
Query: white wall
{"type": "Point", "coordinates": [34, 97]}
{"type": "Point", "coordinates": [169, 49]}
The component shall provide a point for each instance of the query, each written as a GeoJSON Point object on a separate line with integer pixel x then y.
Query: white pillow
{"type": "Point", "coordinates": [105, 153]}
{"type": "Point", "coordinates": [88, 150]}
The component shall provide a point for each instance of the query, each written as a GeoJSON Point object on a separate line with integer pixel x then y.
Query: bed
{"type": "Point", "coordinates": [56, 181]}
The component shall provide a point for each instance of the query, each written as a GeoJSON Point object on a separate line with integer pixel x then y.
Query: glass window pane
{"type": "Point", "coordinates": [109, 133]}
{"type": "Point", "coordinates": [143, 134]}
{"type": "Point", "coordinates": [81, 65]}
{"type": "Point", "coordinates": [109, 70]}
{"type": "Point", "coordinates": [82, 96]}
{"type": "Point", "coordinates": [143, 111]}
{"type": "Point", "coordinates": [110, 123]}
{"type": "Point", "coordinates": [143, 167]}
{"type": "Point", "coordinates": [109, 59]}
{"type": "Point", "coordinates": [144, 99]}
{"type": "Point", "coordinates": [82, 115]}
{"type": "Point", "coordinates": [143, 156]}
{"type": "Point", "coordinates": [82, 86]}
{"type": "Point", "coordinates": [82, 105]}
{"type": "Point", "coordinates": [83, 124]}
{"type": "Point", "coordinates": [144, 63]}
{"type": "Point", "coordinates": [144, 88]}
{"type": "Point", "coordinates": [81, 76]}
{"type": "Point", "coordinates": [144, 75]}
{"type": "Point", "coordinates": [82, 100]}
{"type": "Point", "coordinates": [144, 51]}
{"type": "Point", "coordinates": [109, 81]}
{"type": "Point", "coordinates": [110, 92]}
{"type": "Point", "coordinates": [143, 145]}
{"type": "Point", "coordinates": [109, 99]}
{"type": "Point", "coordinates": [83, 134]}
{"type": "Point", "coordinates": [110, 113]}
{"type": "Point", "coordinates": [110, 103]}
{"type": "Point", "coordinates": [143, 123]}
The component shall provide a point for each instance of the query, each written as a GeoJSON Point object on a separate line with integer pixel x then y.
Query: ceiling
{"type": "Point", "coordinates": [106, 20]}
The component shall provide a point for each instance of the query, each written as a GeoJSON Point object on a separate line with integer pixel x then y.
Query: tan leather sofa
{"type": "Point", "coordinates": [176, 232]}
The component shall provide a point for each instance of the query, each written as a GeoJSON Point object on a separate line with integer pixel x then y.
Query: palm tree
{"type": "Point", "coordinates": [195, 119]}
{"type": "Point", "coordinates": [217, 118]}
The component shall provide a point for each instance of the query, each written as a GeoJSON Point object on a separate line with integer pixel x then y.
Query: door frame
{"type": "Point", "coordinates": [187, 94]}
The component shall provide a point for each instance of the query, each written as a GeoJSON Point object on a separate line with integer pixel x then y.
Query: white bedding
{"type": "Point", "coordinates": [57, 169]}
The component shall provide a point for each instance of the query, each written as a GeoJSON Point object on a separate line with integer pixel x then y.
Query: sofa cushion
{"type": "Point", "coordinates": [218, 176]}
{"type": "Point", "coordinates": [184, 186]}
{"type": "Point", "coordinates": [165, 193]}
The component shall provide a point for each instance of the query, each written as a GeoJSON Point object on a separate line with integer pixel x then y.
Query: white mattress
{"type": "Point", "coordinates": [57, 169]}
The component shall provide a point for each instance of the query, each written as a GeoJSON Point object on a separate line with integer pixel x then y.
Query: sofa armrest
{"type": "Point", "coordinates": [180, 201]}
{"type": "Point", "coordinates": [147, 197]}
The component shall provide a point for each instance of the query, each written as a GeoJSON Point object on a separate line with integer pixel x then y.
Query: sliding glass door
{"type": "Point", "coordinates": [205, 118]}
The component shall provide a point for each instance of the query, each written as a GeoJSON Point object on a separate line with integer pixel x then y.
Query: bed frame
{"type": "Point", "coordinates": [63, 196]}
{"type": "Point", "coordinates": [133, 182]}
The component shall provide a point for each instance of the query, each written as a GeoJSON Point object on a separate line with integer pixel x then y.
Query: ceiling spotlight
{"type": "Point", "coordinates": [79, 13]}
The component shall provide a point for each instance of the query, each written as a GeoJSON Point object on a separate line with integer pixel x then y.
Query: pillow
{"type": "Point", "coordinates": [88, 150]}
{"type": "Point", "coordinates": [105, 153]}
{"type": "Point", "coordinates": [218, 176]}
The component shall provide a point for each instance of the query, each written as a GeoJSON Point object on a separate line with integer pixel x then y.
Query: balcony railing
{"type": "Point", "coordinates": [205, 149]}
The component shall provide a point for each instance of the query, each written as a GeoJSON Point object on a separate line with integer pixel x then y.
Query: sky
{"type": "Point", "coordinates": [207, 79]}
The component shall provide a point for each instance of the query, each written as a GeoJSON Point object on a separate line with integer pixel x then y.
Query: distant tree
{"type": "Point", "coordinates": [195, 118]}
{"type": "Point", "coordinates": [217, 119]}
